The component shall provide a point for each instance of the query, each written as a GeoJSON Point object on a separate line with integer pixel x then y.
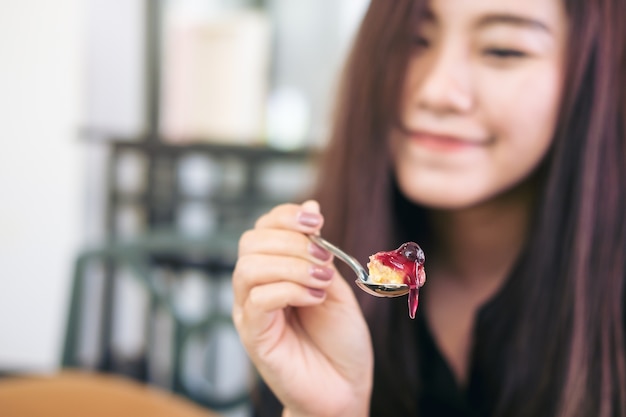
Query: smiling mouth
{"type": "Point", "coordinates": [443, 143]}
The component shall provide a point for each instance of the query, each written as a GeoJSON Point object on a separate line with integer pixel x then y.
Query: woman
{"type": "Point", "coordinates": [493, 133]}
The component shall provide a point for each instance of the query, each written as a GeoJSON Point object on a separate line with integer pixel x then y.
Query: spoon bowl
{"type": "Point", "coordinates": [363, 280]}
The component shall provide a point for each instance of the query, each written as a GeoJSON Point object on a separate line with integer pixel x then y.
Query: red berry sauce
{"type": "Point", "coordinates": [409, 260]}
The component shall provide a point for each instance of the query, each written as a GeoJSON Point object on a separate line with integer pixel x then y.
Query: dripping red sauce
{"type": "Point", "coordinates": [409, 260]}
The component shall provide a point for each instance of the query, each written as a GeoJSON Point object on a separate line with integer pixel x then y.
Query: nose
{"type": "Point", "coordinates": [441, 81]}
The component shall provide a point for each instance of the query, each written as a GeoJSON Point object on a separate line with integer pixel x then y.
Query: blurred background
{"type": "Point", "coordinates": [139, 139]}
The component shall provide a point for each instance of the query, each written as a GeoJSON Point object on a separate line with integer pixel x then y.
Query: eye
{"type": "Point", "coordinates": [504, 53]}
{"type": "Point", "coordinates": [421, 42]}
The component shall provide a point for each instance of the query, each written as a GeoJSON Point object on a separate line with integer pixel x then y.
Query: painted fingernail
{"type": "Point", "coordinates": [309, 219]}
{"type": "Point", "coordinates": [319, 253]}
{"type": "Point", "coordinates": [317, 293]}
{"type": "Point", "coordinates": [321, 272]}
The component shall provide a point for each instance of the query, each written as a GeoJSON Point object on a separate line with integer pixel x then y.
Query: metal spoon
{"type": "Point", "coordinates": [363, 280]}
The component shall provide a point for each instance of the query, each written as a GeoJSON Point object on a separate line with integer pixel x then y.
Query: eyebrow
{"type": "Point", "coordinates": [512, 19]}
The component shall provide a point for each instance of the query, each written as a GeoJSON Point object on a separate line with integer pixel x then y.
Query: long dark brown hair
{"type": "Point", "coordinates": [553, 343]}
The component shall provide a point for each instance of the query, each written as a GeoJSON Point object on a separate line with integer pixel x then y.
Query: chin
{"type": "Point", "coordinates": [446, 196]}
{"type": "Point", "coordinates": [449, 202]}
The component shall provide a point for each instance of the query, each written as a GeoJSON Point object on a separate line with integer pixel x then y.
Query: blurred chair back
{"type": "Point", "coordinates": [157, 309]}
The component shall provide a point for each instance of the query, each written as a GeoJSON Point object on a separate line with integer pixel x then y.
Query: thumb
{"type": "Point", "coordinates": [311, 206]}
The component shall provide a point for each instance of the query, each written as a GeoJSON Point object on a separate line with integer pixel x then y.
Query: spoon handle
{"type": "Point", "coordinates": [352, 262]}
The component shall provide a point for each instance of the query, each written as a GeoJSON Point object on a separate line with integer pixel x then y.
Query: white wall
{"type": "Point", "coordinates": [114, 81]}
{"type": "Point", "coordinates": [41, 54]}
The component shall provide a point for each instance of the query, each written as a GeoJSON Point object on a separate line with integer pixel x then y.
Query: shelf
{"type": "Point", "coordinates": [219, 148]}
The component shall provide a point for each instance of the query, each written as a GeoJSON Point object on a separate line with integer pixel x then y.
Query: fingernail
{"type": "Point", "coordinates": [309, 219]}
{"type": "Point", "coordinates": [321, 272]}
{"type": "Point", "coordinates": [319, 253]}
{"type": "Point", "coordinates": [317, 293]}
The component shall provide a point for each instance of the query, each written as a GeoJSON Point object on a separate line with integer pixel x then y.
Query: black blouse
{"type": "Point", "coordinates": [441, 395]}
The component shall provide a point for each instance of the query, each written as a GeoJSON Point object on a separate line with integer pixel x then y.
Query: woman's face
{"type": "Point", "coordinates": [480, 99]}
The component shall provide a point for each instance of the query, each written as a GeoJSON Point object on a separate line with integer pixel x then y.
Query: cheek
{"type": "Point", "coordinates": [522, 117]}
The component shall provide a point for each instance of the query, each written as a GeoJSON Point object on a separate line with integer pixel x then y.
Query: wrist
{"type": "Point", "coordinates": [359, 410]}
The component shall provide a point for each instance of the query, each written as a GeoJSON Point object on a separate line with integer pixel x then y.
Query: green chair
{"type": "Point", "coordinates": [212, 256]}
